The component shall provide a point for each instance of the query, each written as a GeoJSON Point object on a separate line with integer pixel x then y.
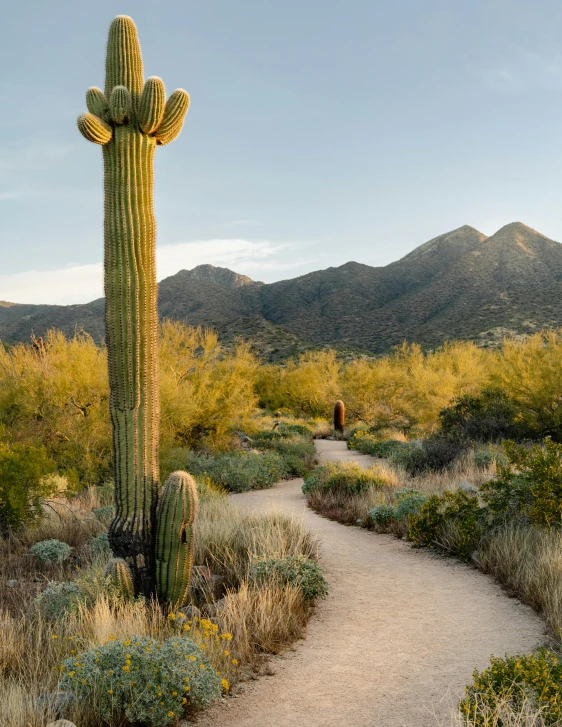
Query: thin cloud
{"type": "Point", "coordinates": [525, 71]}
{"type": "Point", "coordinates": [83, 283]}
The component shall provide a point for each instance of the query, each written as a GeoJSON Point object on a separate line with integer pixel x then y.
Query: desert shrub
{"type": "Point", "coordinates": [24, 484]}
{"type": "Point", "coordinates": [368, 442]}
{"type": "Point", "coordinates": [239, 471]}
{"type": "Point", "coordinates": [99, 544]}
{"type": "Point", "coordinates": [141, 679]}
{"type": "Point", "coordinates": [296, 570]}
{"type": "Point", "coordinates": [529, 486]}
{"type": "Point", "coordinates": [409, 501]}
{"type": "Point", "coordinates": [298, 452]}
{"type": "Point", "coordinates": [291, 429]}
{"type": "Point", "coordinates": [489, 454]}
{"type": "Point", "coordinates": [515, 680]}
{"type": "Point", "coordinates": [489, 417]}
{"type": "Point", "coordinates": [104, 514]}
{"type": "Point", "coordinates": [343, 477]}
{"type": "Point", "coordinates": [51, 551]}
{"type": "Point", "coordinates": [431, 455]}
{"type": "Point", "coordinates": [427, 527]}
{"type": "Point", "coordinates": [382, 514]}
{"type": "Point", "coordinates": [59, 599]}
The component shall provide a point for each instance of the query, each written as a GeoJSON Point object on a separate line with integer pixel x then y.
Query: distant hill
{"type": "Point", "coordinates": [460, 285]}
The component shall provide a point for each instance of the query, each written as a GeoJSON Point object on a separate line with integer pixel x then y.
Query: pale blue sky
{"type": "Point", "coordinates": [320, 131]}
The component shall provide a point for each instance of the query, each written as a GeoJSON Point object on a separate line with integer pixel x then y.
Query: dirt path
{"type": "Point", "coordinates": [395, 642]}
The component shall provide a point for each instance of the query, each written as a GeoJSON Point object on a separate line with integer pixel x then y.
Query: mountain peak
{"type": "Point", "coordinates": [520, 235]}
{"type": "Point", "coordinates": [222, 276]}
{"type": "Point", "coordinates": [456, 241]}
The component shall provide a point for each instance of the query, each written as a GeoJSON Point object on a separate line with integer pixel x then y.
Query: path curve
{"type": "Point", "coordinates": [394, 643]}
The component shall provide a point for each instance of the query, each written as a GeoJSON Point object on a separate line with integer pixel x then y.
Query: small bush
{"type": "Point", "coordinates": [489, 454]}
{"type": "Point", "coordinates": [490, 417]}
{"type": "Point", "coordinates": [432, 455]}
{"type": "Point", "coordinates": [104, 514]}
{"type": "Point", "coordinates": [298, 453]}
{"type": "Point", "coordinates": [142, 680]}
{"type": "Point", "coordinates": [382, 514]}
{"type": "Point", "coordinates": [24, 484]}
{"type": "Point", "coordinates": [298, 571]}
{"type": "Point", "coordinates": [529, 486]}
{"type": "Point", "coordinates": [59, 599]}
{"type": "Point", "coordinates": [51, 551]}
{"type": "Point", "coordinates": [349, 478]}
{"type": "Point", "coordinates": [99, 544]}
{"type": "Point", "coordinates": [367, 442]}
{"type": "Point", "coordinates": [240, 471]}
{"type": "Point", "coordinates": [428, 526]}
{"type": "Point", "coordinates": [409, 502]}
{"type": "Point", "coordinates": [515, 680]}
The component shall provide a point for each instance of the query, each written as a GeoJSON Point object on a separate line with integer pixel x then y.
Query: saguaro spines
{"type": "Point", "coordinates": [129, 119]}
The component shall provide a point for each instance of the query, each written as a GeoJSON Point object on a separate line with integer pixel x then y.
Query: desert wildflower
{"type": "Point", "coordinates": [225, 683]}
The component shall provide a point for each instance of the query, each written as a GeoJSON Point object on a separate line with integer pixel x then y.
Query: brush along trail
{"type": "Point", "coordinates": [396, 640]}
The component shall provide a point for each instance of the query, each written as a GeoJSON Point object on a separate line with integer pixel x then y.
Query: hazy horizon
{"type": "Point", "coordinates": [318, 133]}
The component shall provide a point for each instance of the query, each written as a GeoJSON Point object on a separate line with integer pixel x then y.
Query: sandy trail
{"type": "Point", "coordinates": [394, 643]}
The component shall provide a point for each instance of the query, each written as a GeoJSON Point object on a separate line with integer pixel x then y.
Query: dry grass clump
{"type": "Point", "coordinates": [504, 715]}
{"type": "Point", "coordinates": [528, 561]}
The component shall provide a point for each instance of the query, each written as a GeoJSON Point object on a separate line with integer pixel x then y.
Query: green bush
{"type": "Point", "coordinates": [382, 514]}
{"type": "Point", "coordinates": [488, 454]}
{"type": "Point", "coordinates": [296, 570]}
{"type": "Point", "coordinates": [104, 514]}
{"type": "Point", "coordinates": [99, 544]}
{"type": "Point", "coordinates": [490, 417]}
{"type": "Point", "coordinates": [51, 551]}
{"type": "Point", "coordinates": [142, 680]}
{"type": "Point", "coordinates": [239, 471]}
{"type": "Point", "coordinates": [432, 455]}
{"type": "Point", "coordinates": [58, 599]}
{"type": "Point", "coordinates": [300, 430]}
{"type": "Point", "coordinates": [529, 486]}
{"type": "Point", "coordinates": [347, 478]}
{"type": "Point", "coordinates": [409, 501]}
{"type": "Point", "coordinates": [24, 484]}
{"type": "Point", "coordinates": [458, 508]}
{"type": "Point", "coordinates": [516, 680]}
{"type": "Point", "coordinates": [298, 453]}
{"type": "Point", "coordinates": [367, 442]}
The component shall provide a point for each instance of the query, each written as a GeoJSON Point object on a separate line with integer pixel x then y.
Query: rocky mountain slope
{"type": "Point", "coordinates": [460, 285]}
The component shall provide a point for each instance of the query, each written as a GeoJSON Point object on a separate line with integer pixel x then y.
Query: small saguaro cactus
{"type": "Point", "coordinates": [339, 416]}
{"type": "Point", "coordinates": [129, 119]}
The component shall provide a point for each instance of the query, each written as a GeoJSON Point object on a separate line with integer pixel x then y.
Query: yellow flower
{"type": "Point", "coordinates": [225, 683]}
{"type": "Point", "coordinates": [170, 714]}
{"type": "Point", "coordinates": [186, 679]}
{"type": "Point", "coordinates": [235, 662]}
{"type": "Point", "coordinates": [174, 694]}
{"type": "Point", "coordinates": [110, 691]}
{"type": "Point", "coordinates": [125, 668]}
{"type": "Point", "coordinates": [71, 673]}
{"type": "Point", "coordinates": [226, 653]}
{"type": "Point", "coordinates": [112, 638]}
{"type": "Point", "coordinates": [127, 643]}
{"type": "Point", "coordinates": [54, 636]}
{"type": "Point", "coordinates": [172, 617]}
{"type": "Point", "coordinates": [186, 689]}
{"type": "Point", "coordinates": [184, 701]}
{"type": "Point", "coordinates": [186, 627]}
{"type": "Point", "coordinates": [226, 636]}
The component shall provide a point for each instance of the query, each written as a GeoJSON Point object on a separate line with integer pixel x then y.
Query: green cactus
{"type": "Point", "coordinates": [177, 510]}
{"type": "Point", "coordinates": [339, 415]}
{"type": "Point", "coordinates": [120, 576]}
{"type": "Point", "coordinates": [129, 120]}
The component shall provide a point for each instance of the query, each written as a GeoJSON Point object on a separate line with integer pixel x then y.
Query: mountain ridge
{"type": "Point", "coordinates": [462, 284]}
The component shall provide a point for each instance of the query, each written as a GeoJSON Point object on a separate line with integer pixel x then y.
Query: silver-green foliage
{"type": "Point", "coordinates": [51, 551]}
{"type": "Point", "coordinates": [58, 599]}
{"type": "Point", "coordinates": [295, 570]}
{"type": "Point", "coordinates": [142, 680]}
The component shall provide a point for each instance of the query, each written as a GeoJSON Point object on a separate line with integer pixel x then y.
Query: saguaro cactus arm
{"type": "Point", "coordinates": [176, 514]}
{"type": "Point", "coordinates": [94, 129]}
{"type": "Point", "coordinates": [174, 116]}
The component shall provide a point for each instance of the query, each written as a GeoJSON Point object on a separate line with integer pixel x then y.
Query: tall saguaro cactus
{"type": "Point", "coordinates": [129, 119]}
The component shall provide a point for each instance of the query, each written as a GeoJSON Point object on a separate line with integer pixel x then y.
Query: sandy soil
{"type": "Point", "coordinates": [394, 643]}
